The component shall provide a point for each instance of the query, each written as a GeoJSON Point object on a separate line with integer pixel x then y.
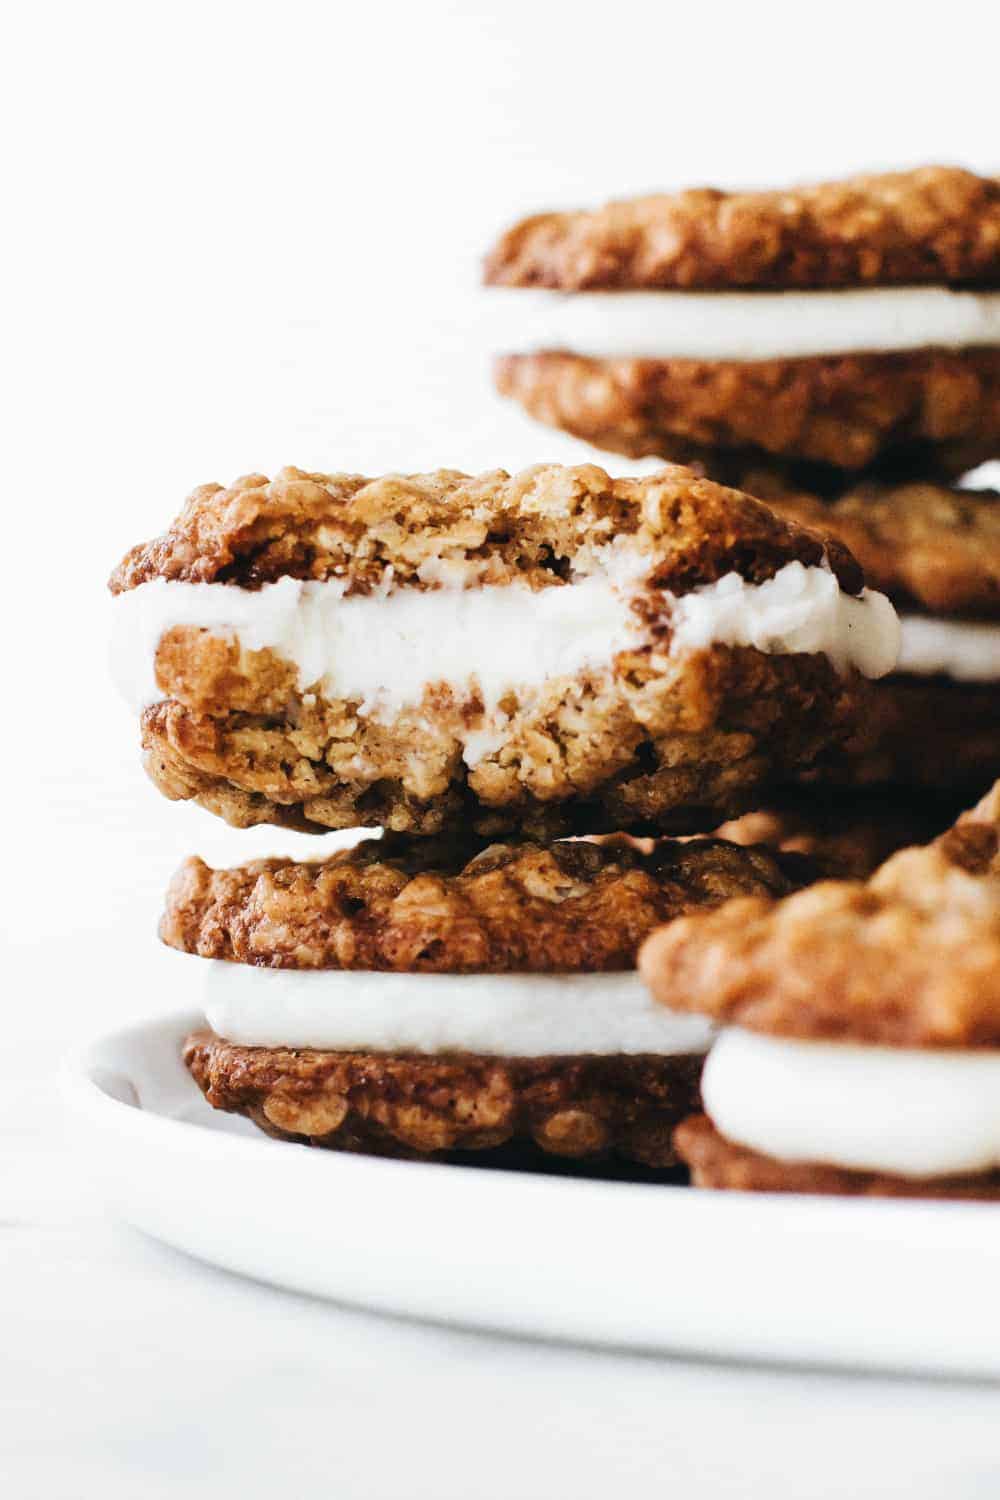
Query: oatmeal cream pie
{"type": "Point", "coordinates": [414, 997]}
{"type": "Point", "coordinates": [935, 720]}
{"type": "Point", "coordinates": [861, 1053]}
{"type": "Point", "coordinates": [549, 653]}
{"type": "Point", "coordinates": [847, 327]}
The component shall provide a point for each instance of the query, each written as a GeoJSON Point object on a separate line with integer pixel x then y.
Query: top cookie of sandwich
{"type": "Point", "coordinates": [447, 906]}
{"type": "Point", "coordinates": [932, 225]}
{"type": "Point", "coordinates": [908, 958]}
{"type": "Point", "coordinates": [925, 545]}
{"type": "Point", "coordinates": [448, 529]}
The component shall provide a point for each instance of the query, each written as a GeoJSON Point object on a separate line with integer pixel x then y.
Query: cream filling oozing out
{"type": "Point", "coordinates": [966, 650]}
{"type": "Point", "coordinates": [503, 1015]}
{"type": "Point", "coordinates": [384, 649]}
{"type": "Point", "coordinates": [745, 326]}
{"type": "Point", "coordinates": [914, 1112]}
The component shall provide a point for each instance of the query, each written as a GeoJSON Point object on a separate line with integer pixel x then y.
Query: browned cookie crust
{"type": "Point", "coordinates": [927, 546]}
{"type": "Point", "coordinates": [716, 1162]}
{"type": "Point", "coordinates": [932, 224]}
{"type": "Point", "coordinates": [433, 907]}
{"type": "Point", "coordinates": [928, 411]}
{"type": "Point", "coordinates": [674, 753]}
{"type": "Point", "coordinates": [843, 836]}
{"type": "Point", "coordinates": [928, 734]}
{"type": "Point", "coordinates": [538, 526]}
{"type": "Point", "coordinates": [412, 1106]}
{"type": "Point", "coordinates": [644, 745]}
{"type": "Point", "coordinates": [909, 958]}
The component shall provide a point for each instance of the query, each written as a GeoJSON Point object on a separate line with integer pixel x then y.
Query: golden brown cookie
{"type": "Point", "coordinates": [909, 958]}
{"type": "Point", "coordinates": [262, 701]}
{"type": "Point", "coordinates": [716, 1162]}
{"type": "Point", "coordinates": [929, 225]}
{"type": "Point", "coordinates": [929, 411]}
{"type": "Point", "coordinates": [928, 546]}
{"type": "Point", "coordinates": [417, 1106]}
{"type": "Point", "coordinates": [427, 906]}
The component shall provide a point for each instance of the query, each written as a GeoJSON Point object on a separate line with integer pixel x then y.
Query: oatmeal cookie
{"type": "Point", "coordinates": [909, 958]}
{"type": "Point", "coordinates": [716, 1162]}
{"type": "Point", "coordinates": [417, 1106]}
{"type": "Point", "coordinates": [432, 906]}
{"type": "Point", "coordinates": [923, 412]}
{"type": "Point", "coordinates": [325, 651]}
{"type": "Point", "coordinates": [934, 224]}
{"type": "Point", "coordinates": [448, 528]}
{"type": "Point", "coordinates": [929, 547]}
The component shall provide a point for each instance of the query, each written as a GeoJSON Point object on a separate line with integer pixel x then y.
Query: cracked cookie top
{"type": "Point", "coordinates": [908, 958]}
{"type": "Point", "coordinates": [450, 529]}
{"type": "Point", "coordinates": [925, 545]}
{"type": "Point", "coordinates": [931, 225]}
{"type": "Point", "coordinates": [451, 906]}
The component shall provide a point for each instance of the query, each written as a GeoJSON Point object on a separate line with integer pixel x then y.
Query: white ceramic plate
{"type": "Point", "coordinates": [909, 1286]}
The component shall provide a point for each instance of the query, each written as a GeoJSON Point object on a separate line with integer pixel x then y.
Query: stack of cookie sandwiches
{"type": "Point", "coordinates": [836, 351]}
{"type": "Point", "coordinates": [488, 668]}
{"type": "Point", "coordinates": [835, 331]}
{"type": "Point", "coordinates": [861, 1045]}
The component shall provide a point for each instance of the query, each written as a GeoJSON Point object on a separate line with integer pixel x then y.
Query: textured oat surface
{"type": "Point", "coordinates": [659, 744]}
{"type": "Point", "coordinates": [909, 958]}
{"type": "Point", "coordinates": [930, 412]}
{"type": "Point", "coordinates": [716, 1162]}
{"type": "Point", "coordinates": [932, 224]}
{"type": "Point", "coordinates": [398, 1105]}
{"type": "Point", "coordinates": [539, 526]}
{"type": "Point", "coordinates": [925, 545]}
{"type": "Point", "coordinates": [431, 905]}
{"type": "Point", "coordinates": [654, 741]}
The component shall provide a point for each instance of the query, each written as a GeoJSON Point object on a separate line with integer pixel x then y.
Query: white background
{"type": "Point", "coordinates": [243, 236]}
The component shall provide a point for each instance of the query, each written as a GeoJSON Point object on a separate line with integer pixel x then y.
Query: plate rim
{"type": "Point", "coordinates": [769, 1278]}
{"type": "Point", "coordinates": [83, 1090]}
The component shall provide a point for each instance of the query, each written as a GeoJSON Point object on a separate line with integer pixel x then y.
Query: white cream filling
{"type": "Point", "coordinates": [912, 1112]}
{"type": "Point", "coordinates": [799, 609]}
{"type": "Point", "coordinates": [383, 650]}
{"type": "Point", "coordinates": [504, 1015]}
{"type": "Point", "coordinates": [745, 325]}
{"type": "Point", "coordinates": [966, 650]}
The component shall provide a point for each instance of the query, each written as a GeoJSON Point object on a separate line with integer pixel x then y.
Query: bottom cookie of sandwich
{"type": "Point", "coordinates": [716, 1162]}
{"type": "Point", "coordinates": [588, 1107]}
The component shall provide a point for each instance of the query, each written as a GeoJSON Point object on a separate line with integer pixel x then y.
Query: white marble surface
{"type": "Point", "coordinates": [242, 238]}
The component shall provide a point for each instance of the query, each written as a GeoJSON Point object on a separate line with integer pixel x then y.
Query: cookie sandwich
{"type": "Point", "coordinates": [555, 652]}
{"type": "Point", "coordinates": [421, 997]}
{"type": "Point", "coordinates": [860, 1052]}
{"type": "Point", "coordinates": [935, 551]}
{"type": "Point", "coordinates": [846, 328]}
